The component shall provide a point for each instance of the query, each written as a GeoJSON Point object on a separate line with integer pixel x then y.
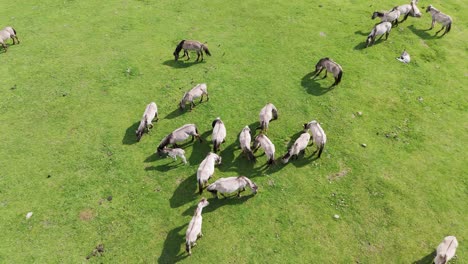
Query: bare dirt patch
{"type": "Point", "coordinates": [87, 215]}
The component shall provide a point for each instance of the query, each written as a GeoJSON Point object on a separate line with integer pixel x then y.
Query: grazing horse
{"type": "Point", "coordinates": [198, 91]}
{"type": "Point", "coordinates": [191, 45]}
{"type": "Point", "coordinates": [244, 140]}
{"type": "Point", "coordinates": [151, 112]}
{"type": "Point", "coordinates": [268, 113]}
{"type": "Point", "coordinates": [7, 33]}
{"type": "Point", "coordinates": [391, 16]}
{"type": "Point", "coordinates": [230, 185]}
{"type": "Point", "coordinates": [446, 250]}
{"type": "Point", "coordinates": [174, 152]}
{"type": "Point", "coordinates": [194, 230]}
{"type": "Point", "coordinates": [409, 10]}
{"type": "Point", "coordinates": [206, 170]}
{"type": "Point", "coordinates": [440, 17]}
{"type": "Point", "coordinates": [178, 135]}
{"type": "Point", "coordinates": [298, 147]}
{"type": "Point", "coordinates": [329, 66]}
{"type": "Point", "coordinates": [379, 29]}
{"type": "Point", "coordinates": [219, 134]}
{"type": "Point", "coordinates": [269, 148]}
{"type": "Point", "coordinates": [318, 135]}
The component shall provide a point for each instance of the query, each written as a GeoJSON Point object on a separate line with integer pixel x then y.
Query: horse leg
{"type": "Point", "coordinates": [404, 18]}
{"type": "Point", "coordinates": [4, 46]}
{"type": "Point", "coordinates": [317, 73]}
{"type": "Point", "coordinates": [432, 25]}
{"type": "Point", "coordinates": [320, 151]}
{"type": "Point", "coordinates": [440, 30]}
{"type": "Point", "coordinates": [198, 56]}
{"type": "Point", "coordinates": [201, 98]}
{"type": "Point", "coordinates": [326, 72]}
{"type": "Point", "coordinates": [386, 35]}
{"type": "Point", "coordinates": [188, 55]}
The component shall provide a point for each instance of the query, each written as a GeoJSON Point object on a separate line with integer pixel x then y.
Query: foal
{"type": "Point", "coordinates": [379, 29]}
{"type": "Point", "coordinates": [329, 66]}
{"type": "Point", "coordinates": [198, 91]}
{"type": "Point", "coordinates": [7, 33]}
{"type": "Point", "coordinates": [268, 113]}
{"type": "Point", "coordinates": [206, 170]}
{"type": "Point", "coordinates": [318, 135]}
{"type": "Point", "coordinates": [191, 45]}
{"type": "Point", "coordinates": [151, 112]}
{"type": "Point", "coordinates": [219, 134]}
{"type": "Point", "coordinates": [244, 140]}
{"type": "Point", "coordinates": [174, 153]}
{"type": "Point", "coordinates": [230, 185]}
{"type": "Point", "coordinates": [440, 17]}
{"type": "Point", "coordinates": [194, 230]}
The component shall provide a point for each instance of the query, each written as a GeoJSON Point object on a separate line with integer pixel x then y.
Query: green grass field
{"type": "Point", "coordinates": [73, 91]}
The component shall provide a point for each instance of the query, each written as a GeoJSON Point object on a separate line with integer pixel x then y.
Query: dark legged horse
{"type": "Point", "coordinates": [330, 66]}
{"type": "Point", "coordinates": [191, 45]}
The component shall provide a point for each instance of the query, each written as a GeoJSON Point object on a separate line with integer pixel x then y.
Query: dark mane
{"type": "Point", "coordinates": [179, 47]}
{"type": "Point", "coordinates": [165, 142]}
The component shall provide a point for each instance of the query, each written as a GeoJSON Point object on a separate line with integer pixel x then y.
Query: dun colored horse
{"type": "Point", "coordinates": [7, 33]}
{"type": "Point", "coordinates": [230, 185]}
{"type": "Point", "coordinates": [329, 66]}
{"type": "Point", "coordinates": [194, 230]}
{"type": "Point", "coordinates": [441, 18]}
{"type": "Point", "coordinates": [187, 45]}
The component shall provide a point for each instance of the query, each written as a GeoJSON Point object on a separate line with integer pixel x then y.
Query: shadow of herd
{"type": "Point", "coordinates": [446, 249]}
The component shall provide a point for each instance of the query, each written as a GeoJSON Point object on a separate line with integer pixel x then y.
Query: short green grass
{"type": "Point", "coordinates": [73, 91]}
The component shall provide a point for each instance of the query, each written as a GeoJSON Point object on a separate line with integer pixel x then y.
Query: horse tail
{"type": "Point", "coordinates": [322, 146]}
{"type": "Point", "coordinates": [215, 146]}
{"type": "Point", "coordinates": [448, 27]}
{"type": "Point", "coordinates": [200, 186]}
{"type": "Point", "coordinates": [187, 247]}
{"type": "Point", "coordinates": [205, 48]}
{"type": "Point", "coordinates": [14, 31]}
{"type": "Point", "coordinates": [251, 156]}
{"type": "Point", "coordinates": [338, 79]}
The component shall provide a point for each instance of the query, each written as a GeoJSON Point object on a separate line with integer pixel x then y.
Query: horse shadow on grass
{"type": "Point", "coordinates": [185, 192]}
{"type": "Point", "coordinates": [176, 113]}
{"type": "Point", "coordinates": [171, 248]}
{"type": "Point", "coordinates": [426, 259]}
{"type": "Point", "coordinates": [130, 137]}
{"type": "Point", "coordinates": [200, 150]}
{"type": "Point", "coordinates": [312, 86]}
{"type": "Point", "coordinates": [180, 64]}
{"type": "Point", "coordinates": [215, 203]}
{"type": "Point", "coordinates": [422, 33]}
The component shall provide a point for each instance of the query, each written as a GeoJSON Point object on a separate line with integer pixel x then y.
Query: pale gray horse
{"type": "Point", "coordinates": [446, 250]}
{"type": "Point", "coordinates": [245, 140]}
{"type": "Point", "coordinates": [230, 185]}
{"type": "Point", "coordinates": [299, 146]}
{"type": "Point", "coordinates": [409, 10]}
{"type": "Point", "coordinates": [206, 170]}
{"type": "Point", "coordinates": [379, 29]}
{"type": "Point", "coordinates": [268, 113]}
{"type": "Point", "coordinates": [178, 135]}
{"type": "Point", "coordinates": [329, 66]}
{"type": "Point", "coordinates": [219, 134]}
{"type": "Point", "coordinates": [318, 135]}
{"type": "Point", "coordinates": [7, 33]}
{"type": "Point", "coordinates": [391, 16]}
{"type": "Point", "coordinates": [187, 45]}
{"type": "Point", "coordinates": [151, 113]}
{"type": "Point", "coordinates": [269, 148]}
{"type": "Point", "coordinates": [198, 91]}
{"type": "Point", "coordinates": [194, 230]}
{"type": "Point", "coordinates": [441, 18]}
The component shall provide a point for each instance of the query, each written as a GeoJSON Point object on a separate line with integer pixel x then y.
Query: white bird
{"type": "Point", "coordinates": [404, 57]}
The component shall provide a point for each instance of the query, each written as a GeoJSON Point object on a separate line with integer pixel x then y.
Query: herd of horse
{"type": "Point", "coordinates": [312, 130]}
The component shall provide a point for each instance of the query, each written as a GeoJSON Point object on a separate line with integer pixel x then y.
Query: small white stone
{"type": "Point", "coordinates": [336, 216]}
{"type": "Point", "coordinates": [28, 215]}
